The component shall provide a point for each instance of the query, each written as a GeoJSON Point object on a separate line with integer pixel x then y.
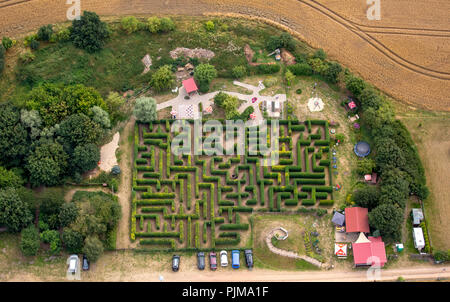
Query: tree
{"type": "Point", "coordinates": [45, 32]}
{"type": "Point", "coordinates": [355, 85]}
{"type": "Point", "coordinates": [204, 74]}
{"type": "Point", "coordinates": [89, 32]}
{"type": "Point", "coordinates": [80, 99]}
{"type": "Point", "coordinates": [93, 248]}
{"type": "Point", "coordinates": [100, 116]}
{"type": "Point", "coordinates": [130, 24]}
{"type": "Point", "coordinates": [145, 109]}
{"type": "Point", "coordinates": [388, 154]}
{"type": "Point", "coordinates": [154, 24]}
{"type": "Point", "coordinates": [230, 105]}
{"type": "Point", "coordinates": [114, 103]}
{"type": "Point", "coordinates": [47, 100]}
{"type": "Point", "coordinates": [46, 163]}
{"type": "Point", "coordinates": [239, 72]}
{"type": "Point", "coordinates": [166, 25]}
{"type": "Point", "coordinates": [220, 98]}
{"type": "Point", "coordinates": [367, 197]}
{"type": "Point", "coordinates": [290, 77]}
{"type": "Point", "coordinates": [78, 129]}
{"type": "Point", "coordinates": [13, 136]}
{"type": "Point", "coordinates": [68, 213]}
{"type": "Point", "coordinates": [332, 73]}
{"type": "Point", "coordinates": [163, 78]}
{"type": "Point", "coordinates": [388, 219]}
{"type": "Point", "coordinates": [284, 40]}
{"type": "Point", "coordinates": [9, 179]}
{"type": "Point", "coordinates": [320, 54]}
{"type": "Point", "coordinates": [14, 213]}
{"type": "Point", "coordinates": [245, 115]}
{"type": "Point", "coordinates": [318, 66]}
{"type": "Point", "coordinates": [29, 242]}
{"type": "Point", "coordinates": [73, 241]}
{"type": "Point", "coordinates": [85, 157]}
{"type": "Point", "coordinates": [370, 99]}
{"type": "Point", "coordinates": [365, 166]}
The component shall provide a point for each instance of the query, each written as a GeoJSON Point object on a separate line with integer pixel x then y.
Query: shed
{"type": "Point", "coordinates": [190, 86]}
{"type": "Point", "coordinates": [417, 216]}
{"type": "Point", "coordinates": [357, 220]}
{"type": "Point", "coordinates": [419, 241]}
{"type": "Point", "coordinates": [338, 219]}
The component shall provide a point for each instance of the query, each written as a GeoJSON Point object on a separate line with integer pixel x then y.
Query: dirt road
{"type": "Point", "coordinates": [404, 54]}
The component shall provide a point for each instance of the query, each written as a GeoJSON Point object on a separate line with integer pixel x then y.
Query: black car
{"type": "Point", "coordinates": [175, 263]}
{"type": "Point", "coordinates": [85, 263]}
{"type": "Point", "coordinates": [249, 258]}
{"type": "Point", "coordinates": [201, 260]}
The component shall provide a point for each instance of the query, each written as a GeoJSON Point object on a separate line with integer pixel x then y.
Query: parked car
{"type": "Point", "coordinates": [175, 263]}
{"type": "Point", "coordinates": [249, 258]}
{"type": "Point", "coordinates": [73, 264]}
{"type": "Point", "coordinates": [85, 263]}
{"type": "Point", "coordinates": [235, 259]}
{"type": "Point", "coordinates": [223, 258]}
{"type": "Point", "coordinates": [201, 260]}
{"type": "Point", "coordinates": [213, 261]}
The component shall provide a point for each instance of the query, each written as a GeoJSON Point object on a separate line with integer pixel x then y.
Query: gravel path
{"type": "Point", "coordinates": [288, 254]}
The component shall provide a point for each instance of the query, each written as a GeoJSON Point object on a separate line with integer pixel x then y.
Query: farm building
{"type": "Point", "coordinates": [190, 86]}
{"type": "Point", "coordinates": [369, 251]}
{"type": "Point", "coordinates": [357, 220]}
{"type": "Point", "coordinates": [417, 216]}
{"type": "Point", "coordinates": [419, 241]}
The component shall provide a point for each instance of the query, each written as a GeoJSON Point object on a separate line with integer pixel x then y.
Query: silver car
{"type": "Point", "coordinates": [73, 264]}
{"type": "Point", "coordinates": [223, 258]}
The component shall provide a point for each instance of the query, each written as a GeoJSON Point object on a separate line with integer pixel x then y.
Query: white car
{"type": "Point", "coordinates": [223, 258]}
{"type": "Point", "coordinates": [73, 264]}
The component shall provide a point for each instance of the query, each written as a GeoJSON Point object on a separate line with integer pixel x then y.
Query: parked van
{"type": "Point", "coordinates": [235, 258]}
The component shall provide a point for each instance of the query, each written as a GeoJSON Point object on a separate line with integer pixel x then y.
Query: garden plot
{"type": "Point", "coordinates": [192, 201]}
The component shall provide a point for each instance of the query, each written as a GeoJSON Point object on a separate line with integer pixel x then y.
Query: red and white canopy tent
{"type": "Point", "coordinates": [252, 116]}
{"type": "Point", "coordinates": [340, 250]}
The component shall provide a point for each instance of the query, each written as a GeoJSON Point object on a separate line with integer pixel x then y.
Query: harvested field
{"type": "Point", "coordinates": [339, 27]}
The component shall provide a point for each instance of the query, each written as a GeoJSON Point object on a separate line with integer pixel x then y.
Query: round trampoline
{"type": "Point", "coordinates": [362, 149]}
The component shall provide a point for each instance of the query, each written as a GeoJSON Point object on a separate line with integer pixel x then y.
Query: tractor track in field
{"type": "Point", "coordinates": [376, 43]}
{"type": "Point", "coordinates": [8, 3]}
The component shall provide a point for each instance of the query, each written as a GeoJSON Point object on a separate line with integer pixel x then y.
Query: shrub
{"type": "Point", "coordinates": [209, 25]}
{"type": "Point", "coordinates": [8, 42]}
{"type": "Point", "coordinates": [68, 213]}
{"type": "Point", "coordinates": [153, 24]}
{"type": "Point", "coordinates": [34, 44]}
{"type": "Point", "coordinates": [239, 72]}
{"type": "Point", "coordinates": [301, 69]}
{"type": "Point", "coordinates": [163, 78]}
{"type": "Point", "coordinates": [29, 243]}
{"type": "Point", "coordinates": [166, 25]}
{"type": "Point", "coordinates": [298, 91]}
{"type": "Point", "coordinates": [267, 68]}
{"type": "Point", "coordinates": [129, 24]}
{"type": "Point", "coordinates": [45, 32]}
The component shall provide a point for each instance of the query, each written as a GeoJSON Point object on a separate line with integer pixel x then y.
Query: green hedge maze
{"type": "Point", "coordinates": [201, 202]}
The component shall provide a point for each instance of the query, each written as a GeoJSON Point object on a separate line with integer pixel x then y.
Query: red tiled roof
{"type": "Point", "coordinates": [190, 85]}
{"type": "Point", "coordinates": [367, 251]}
{"type": "Point", "coordinates": [356, 220]}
